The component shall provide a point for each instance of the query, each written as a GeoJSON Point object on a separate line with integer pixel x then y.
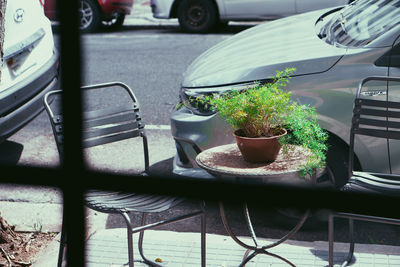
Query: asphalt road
{"type": "Point", "coordinates": [150, 60]}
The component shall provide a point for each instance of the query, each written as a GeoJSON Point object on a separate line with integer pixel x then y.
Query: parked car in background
{"type": "Point", "coordinates": [199, 16]}
{"type": "Point", "coordinates": [94, 13]}
{"type": "Point", "coordinates": [332, 50]}
{"type": "Point", "coordinates": [30, 65]}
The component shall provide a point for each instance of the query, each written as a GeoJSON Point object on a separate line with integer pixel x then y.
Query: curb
{"type": "Point", "coordinates": [49, 255]}
{"type": "Point", "coordinates": [96, 222]}
{"type": "Point", "coordinates": [44, 217]}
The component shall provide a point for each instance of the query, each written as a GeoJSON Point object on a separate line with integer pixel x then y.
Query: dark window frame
{"type": "Point", "coordinates": [69, 176]}
{"type": "Point", "coordinates": [390, 59]}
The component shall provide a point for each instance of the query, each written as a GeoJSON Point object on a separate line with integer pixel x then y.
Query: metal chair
{"type": "Point", "coordinates": [375, 118]}
{"type": "Point", "coordinates": [102, 126]}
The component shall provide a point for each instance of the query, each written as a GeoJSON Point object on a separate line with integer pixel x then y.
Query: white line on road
{"type": "Point", "coordinates": [122, 36]}
{"type": "Point", "coordinates": [157, 127]}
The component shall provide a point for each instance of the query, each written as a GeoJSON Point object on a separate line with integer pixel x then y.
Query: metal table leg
{"type": "Point", "coordinates": [256, 248]}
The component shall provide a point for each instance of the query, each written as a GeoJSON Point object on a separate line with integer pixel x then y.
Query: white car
{"type": "Point", "coordinates": [199, 16]}
{"type": "Point", "coordinates": [332, 51]}
{"type": "Point", "coordinates": [30, 64]}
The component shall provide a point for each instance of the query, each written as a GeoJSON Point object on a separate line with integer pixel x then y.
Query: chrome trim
{"type": "Point", "coordinates": [28, 43]}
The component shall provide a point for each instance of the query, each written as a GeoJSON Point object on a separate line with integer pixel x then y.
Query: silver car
{"type": "Point", "coordinates": [332, 50]}
{"type": "Point", "coordinates": [203, 15]}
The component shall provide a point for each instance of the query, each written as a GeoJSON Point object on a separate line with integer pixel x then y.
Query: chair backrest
{"type": "Point", "coordinates": [101, 126]}
{"type": "Point", "coordinates": [376, 118]}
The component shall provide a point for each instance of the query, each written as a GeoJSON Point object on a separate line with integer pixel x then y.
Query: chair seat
{"type": "Point", "coordinates": [376, 183]}
{"type": "Point", "coordinates": [111, 202]}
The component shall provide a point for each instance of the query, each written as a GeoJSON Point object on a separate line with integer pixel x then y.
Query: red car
{"type": "Point", "coordinates": [94, 13]}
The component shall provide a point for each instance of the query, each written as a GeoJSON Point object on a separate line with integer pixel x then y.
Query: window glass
{"type": "Point", "coordinates": [390, 59]}
{"type": "Point", "coordinates": [358, 24]}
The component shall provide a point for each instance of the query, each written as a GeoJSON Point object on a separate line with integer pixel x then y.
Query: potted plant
{"type": "Point", "coordinates": [265, 118]}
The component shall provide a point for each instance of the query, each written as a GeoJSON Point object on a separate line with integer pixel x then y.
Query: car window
{"type": "Point", "coordinates": [358, 24]}
{"type": "Point", "coordinates": [390, 58]}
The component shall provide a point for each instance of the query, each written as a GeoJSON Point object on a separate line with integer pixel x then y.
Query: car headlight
{"type": "Point", "coordinates": [190, 96]}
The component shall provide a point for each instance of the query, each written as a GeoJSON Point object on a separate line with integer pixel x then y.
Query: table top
{"type": "Point", "coordinates": [227, 161]}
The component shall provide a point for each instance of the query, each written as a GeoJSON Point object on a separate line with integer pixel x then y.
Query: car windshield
{"type": "Point", "coordinates": [359, 23]}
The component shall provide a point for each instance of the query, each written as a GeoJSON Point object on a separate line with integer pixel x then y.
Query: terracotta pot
{"type": "Point", "coordinates": [259, 149]}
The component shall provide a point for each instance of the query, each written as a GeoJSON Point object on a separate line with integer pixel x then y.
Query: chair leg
{"type": "Point", "coordinates": [130, 238]}
{"type": "Point", "coordinates": [203, 239]}
{"type": "Point", "coordinates": [140, 244]}
{"type": "Point", "coordinates": [351, 249]}
{"type": "Point", "coordinates": [141, 237]}
{"type": "Point", "coordinates": [62, 246]}
{"type": "Point", "coordinates": [330, 238]}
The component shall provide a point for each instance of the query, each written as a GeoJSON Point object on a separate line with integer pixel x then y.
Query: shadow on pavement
{"type": "Point", "coordinates": [162, 168]}
{"type": "Point", "coordinates": [10, 152]}
{"type": "Point", "coordinates": [267, 221]}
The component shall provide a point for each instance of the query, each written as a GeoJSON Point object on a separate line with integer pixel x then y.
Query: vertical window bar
{"type": "Point", "coordinates": [72, 166]}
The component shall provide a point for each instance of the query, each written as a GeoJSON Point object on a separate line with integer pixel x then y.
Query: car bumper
{"type": "Point", "coordinates": [26, 98]}
{"type": "Point", "coordinates": [161, 9]}
{"type": "Point", "coordinates": [121, 7]}
{"type": "Point", "coordinates": [194, 172]}
{"type": "Point", "coordinates": [192, 134]}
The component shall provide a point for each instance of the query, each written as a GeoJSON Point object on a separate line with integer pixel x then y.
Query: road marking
{"type": "Point", "coordinates": [121, 36]}
{"type": "Point", "coordinates": [134, 36]}
{"type": "Point", "coordinates": [158, 127]}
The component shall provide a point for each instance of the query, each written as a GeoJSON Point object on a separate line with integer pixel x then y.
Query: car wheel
{"type": "Point", "coordinates": [197, 16]}
{"type": "Point", "coordinates": [89, 15]}
{"type": "Point", "coordinates": [335, 175]}
{"type": "Point", "coordinates": [337, 161]}
{"type": "Point", "coordinates": [116, 22]}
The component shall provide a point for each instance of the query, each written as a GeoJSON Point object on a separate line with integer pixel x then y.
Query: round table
{"type": "Point", "coordinates": [226, 162]}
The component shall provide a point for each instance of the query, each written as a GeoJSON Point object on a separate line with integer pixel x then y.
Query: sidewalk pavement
{"type": "Point", "coordinates": [183, 249]}
{"type": "Point", "coordinates": [141, 15]}
{"type": "Point", "coordinates": [108, 248]}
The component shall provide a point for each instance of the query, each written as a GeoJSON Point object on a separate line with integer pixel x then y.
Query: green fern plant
{"type": "Point", "coordinates": [265, 110]}
{"type": "Point", "coordinates": [304, 130]}
{"type": "Point", "coordinates": [257, 111]}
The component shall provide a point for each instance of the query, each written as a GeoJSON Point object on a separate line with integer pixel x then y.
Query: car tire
{"type": "Point", "coordinates": [337, 161]}
{"type": "Point", "coordinates": [89, 15]}
{"type": "Point", "coordinates": [115, 23]}
{"type": "Point", "coordinates": [197, 16]}
{"type": "Point", "coordinates": [336, 175]}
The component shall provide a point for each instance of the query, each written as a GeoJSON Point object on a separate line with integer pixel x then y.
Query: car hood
{"type": "Point", "coordinates": [257, 53]}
